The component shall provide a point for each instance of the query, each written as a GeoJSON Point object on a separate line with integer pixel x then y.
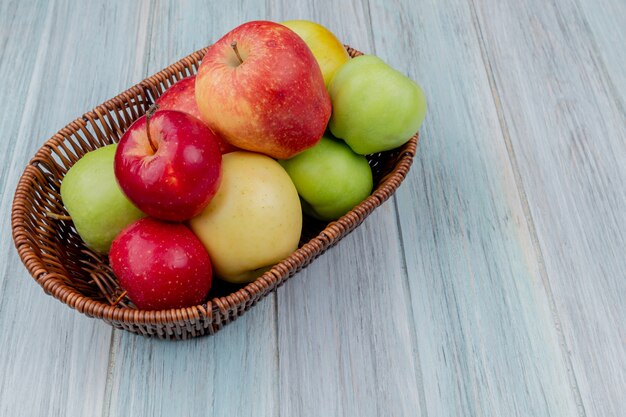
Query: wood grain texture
{"type": "Point", "coordinates": [235, 371]}
{"type": "Point", "coordinates": [53, 361]}
{"type": "Point", "coordinates": [231, 373]}
{"type": "Point", "coordinates": [345, 335]}
{"type": "Point", "coordinates": [18, 22]}
{"type": "Point", "coordinates": [492, 285]}
{"type": "Point", "coordinates": [487, 342]}
{"type": "Point", "coordinates": [605, 24]}
{"type": "Point", "coordinates": [14, 87]}
{"type": "Point", "coordinates": [568, 137]}
{"type": "Point", "coordinates": [346, 341]}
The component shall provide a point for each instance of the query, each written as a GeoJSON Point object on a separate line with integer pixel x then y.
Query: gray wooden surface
{"type": "Point", "coordinates": [492, 284]}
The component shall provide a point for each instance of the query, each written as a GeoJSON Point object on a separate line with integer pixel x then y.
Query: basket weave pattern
{"type": "Point", "coordinates": [58, 260]}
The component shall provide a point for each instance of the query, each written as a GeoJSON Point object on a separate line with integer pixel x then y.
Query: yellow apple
{"type": "Point", "coordinates": [327, 49]}
{"type": "Point", "coordinates": [253, 221]}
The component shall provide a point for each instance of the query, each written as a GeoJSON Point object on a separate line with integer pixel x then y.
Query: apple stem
{"type": "Point", "coordinates": [234, 46]}
{"type": "Point", "coordinates": [57, 216]}
{"type": "Point", "coordinates": [149, 115]}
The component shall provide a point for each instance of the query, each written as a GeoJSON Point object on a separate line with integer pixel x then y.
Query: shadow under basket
{"type": "Point", "coordinates": [59, 261]}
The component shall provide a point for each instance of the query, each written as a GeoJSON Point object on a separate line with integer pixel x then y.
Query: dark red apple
{"type": "Point", "coordinates": [161, 265]}
{"type": "Point", "coordinates": [171, 170]}
{"type": "Point", "coordinates": [261, 89]}
{"type": "Point", "coordinates": [182, 97]}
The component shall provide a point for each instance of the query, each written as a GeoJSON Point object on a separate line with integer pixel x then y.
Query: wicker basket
{"type": "Point", "coordinates": [56, 257]}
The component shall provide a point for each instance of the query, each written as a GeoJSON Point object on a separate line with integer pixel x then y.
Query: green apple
{"type": "Point", "coordinates": [253, 221]}
{"type": "Point", "coordinates": [327, 49]}
{"type": "Point", "coordinates": [95, 201]}
{"type": "Point", "coordinates": [375, 107]}
{"type": "Point", "coordinates": [330, 178]}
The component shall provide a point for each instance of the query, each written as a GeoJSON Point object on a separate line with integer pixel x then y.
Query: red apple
{"type": "Point", "coordinates": [182, 97]}
{"type": "Point", "coordinates": [261, 89]}
{"type": "Point", "coordinates": [161, 265]}
{"type": "Point", "coordinates": [169, 165]}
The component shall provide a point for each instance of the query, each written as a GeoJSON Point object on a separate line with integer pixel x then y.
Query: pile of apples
{"type": "Point", "coordinates": [215, 178]}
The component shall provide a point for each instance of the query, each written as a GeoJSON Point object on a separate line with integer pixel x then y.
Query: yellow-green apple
{"type": "Point", "coordinates": [375, 107]}
{"type": "Point", "coordinates": [169, 165]}
{"type": "Point", "coordinates": [161, 265]}
{"type": "Point", "coordinates": [182, 97]}
{"type": "Point", "coordinates": [327, 49]}
{"type": "Point", "coordinates": [330, 178]}
{"type": "Point", "coordinates": [95, 201]}
{"type": "Point", "coordinates": [254, 220]}
{"type": "Point", "coordinates": [260, 88]}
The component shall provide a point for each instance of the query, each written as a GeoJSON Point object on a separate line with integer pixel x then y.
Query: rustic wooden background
{"type": "Point", "coordinates": [492, 284]}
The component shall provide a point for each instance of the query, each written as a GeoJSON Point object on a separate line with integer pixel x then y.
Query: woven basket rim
{"type": "Point", "coordinates": [55, 286]}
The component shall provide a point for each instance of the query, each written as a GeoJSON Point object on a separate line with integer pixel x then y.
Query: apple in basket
{"type": "Point", "coordinates": [375, 107]}
{"type": "Point", "coordinates": [254, 220]}
{"type": "Point", "coordinates": [94, 200]}
{"type": "Point", "coordinates": [260, 88]}
{"type": "Point", "coordinates": [168, 164]}
{"type": "Point", "coordinates": [161, 265]}
{"type": "Point", "coordinates": [182, 97]}
{"type": "Point", "coordinates": [330, 178]}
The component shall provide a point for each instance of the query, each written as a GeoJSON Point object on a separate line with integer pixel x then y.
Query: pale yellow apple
{"type": "Point", "coordinates": [254, 220]}
{"type": "Point", "coordinates": [327, 49]}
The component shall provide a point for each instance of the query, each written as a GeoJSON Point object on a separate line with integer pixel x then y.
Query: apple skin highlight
{"type": "Point", "coordinates": [274, 102]}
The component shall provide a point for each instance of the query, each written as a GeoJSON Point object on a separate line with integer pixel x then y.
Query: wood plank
{"type": "Point", "coordinates": [346, 341]}
{"type": "Point", "coordinates": [567, 132]}
{"type": "Point", "coordinates": [605, 24]}
{"type": "Point", "coordinates": [487, 342]}
{"type": "Point", "coordinates": [53, 360]}
{"type": "Point", "coordinates": [19, 27]}
{"type": "Point", "coordinates": [235, 371]}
